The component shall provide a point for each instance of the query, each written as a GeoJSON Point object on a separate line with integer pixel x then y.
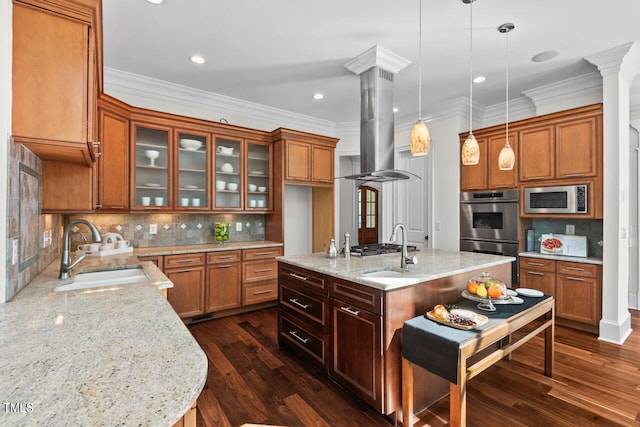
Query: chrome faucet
{"type": "Point", "coordinates": [404, 257]}
{"type": "Point", "coordinates": [65, 262]}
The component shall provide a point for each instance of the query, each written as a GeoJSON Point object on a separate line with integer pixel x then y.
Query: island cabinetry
{"type": "Point", "coordinates": [187, 272]}
{"type": "Point", "coordinates": [356, 359]}
{"type": "Point", "coordinates": [303, 321]}
{"type": "Point", "coordinates": [224, 281]}
{"type": "Point", "coordinates": [57, 71]}
{"type": "Point", "coordinates": [260, 275]}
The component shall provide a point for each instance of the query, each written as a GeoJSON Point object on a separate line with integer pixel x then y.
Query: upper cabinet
{"type": "Point", "coordinates": [57, 63]}
{"type": "Point", "coordinates": [486, 175]}
{"type": "Point", "coordinates": [229, 173]}
{"type": "Point", "coordinates": [151, 173]}
{"type": "Point", "coordinates": [193, 171]}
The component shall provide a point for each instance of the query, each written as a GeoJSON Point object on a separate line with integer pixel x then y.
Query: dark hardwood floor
{"type": "Point", "coordinates": [251, 381]}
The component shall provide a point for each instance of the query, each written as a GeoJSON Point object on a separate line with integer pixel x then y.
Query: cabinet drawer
{"type": "Point", "coordinates": [157, 260]}
{"type": "Point", "coordinates": [259, 270]}
{"type": "Point", "coordinates": [577, 269]}
{"type": "Point", "coordinates": [223, 257]}
{"type": "Point", "coordinates": [359, 295]}
{"type": "Point", "coordinates": [303, 277]}
{"type": "Point", "coordinates": [261, 253]}
{"type": "Point", "coordinates": [314, 307]}
{"type": "Point", "coordinates": [538, 264]}
{"type": "Point", "coordinates": [260, 292]}
{"type": "Point", "coordinates": [543, 281]}
{"type": "Point", "coordinates": [313, 345]}
{"type": "Point", "coordinates": [184, 260]}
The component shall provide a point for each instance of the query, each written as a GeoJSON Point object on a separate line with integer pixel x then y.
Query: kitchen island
{"type": "Point", "coordinates": [116, 355]}
{"type": "Point", "coordinates": [345, 316]}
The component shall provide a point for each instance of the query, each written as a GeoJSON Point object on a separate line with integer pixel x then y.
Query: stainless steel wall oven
{"type": "Point", "coordinates": [489, 224]}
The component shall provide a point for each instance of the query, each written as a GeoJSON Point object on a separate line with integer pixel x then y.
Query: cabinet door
{"type": "Point", "coordinates": [322, 164]}
{"type": "Point", "coordinates": [298, 161]}
{"type": "Point", "coordinates": [576, 149]}
{"type": "Point", "coordinates": [50, 75]}
{"type": "Point", "coordinates": [224, 288]}
{"type": "Point", "coordinates": [578, 298]}
{"type": "Point", "coordinates": [259, 177]}
{"type": "Point", "coordinates": [356, 351]}
{"type": "Point", "coordinates": [543, 281]}
{"type": "Point", "coordinates": [113, 163]}
{"type": "Point", "coordinates": [498, 179]}
{"type": "Point", "coordinates": [474, 177]}
{"type": "Point", "coordinates": [228, 174]}
{"type": "Point", "coordinates": [192, 171]}
{"type": "Point", "coordinates": [536, 153]}
{"type": "Point", "coordinates": [187, 294]}
{"type": "Point", "coordinates": [151, 169]}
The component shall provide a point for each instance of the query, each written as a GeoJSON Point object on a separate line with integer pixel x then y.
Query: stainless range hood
{"type": "Point", "coordinates": [376, 68]}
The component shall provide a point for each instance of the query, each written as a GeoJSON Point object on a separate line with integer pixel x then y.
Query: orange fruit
{"type": "Point", "coordinates": [472, 287]}
{"type": "Point", "coordinates": [495, 291]}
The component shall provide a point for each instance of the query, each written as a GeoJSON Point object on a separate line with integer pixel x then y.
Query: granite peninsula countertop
{"type": "Point", "coordinates": [432, 264]}
{"type": "Point", "coordinates": [209, 247]}
{"type": "Point", "coordinates": [108, 356]}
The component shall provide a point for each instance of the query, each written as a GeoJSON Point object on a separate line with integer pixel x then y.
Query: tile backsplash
{"type": "Point", "coordinates": [172, 229]}
{"type": "Point", "coordinates": [583, 227]}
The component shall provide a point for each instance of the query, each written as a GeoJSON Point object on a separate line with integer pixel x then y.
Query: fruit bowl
{"type": "Point", "coordinates": [487, 287]}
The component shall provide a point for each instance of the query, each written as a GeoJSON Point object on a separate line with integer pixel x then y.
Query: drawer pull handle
{"type": "Point", "coordinates": [580, 279]}
{"type": "Point", "coordinates": [268, 291]}
{"type": "Point", "coordinates": [298, 303]}
{"type": "Point", "coordinates": [182, 261]}
{"type": "Point", "coordinates": [350, 310]}
{"type": "Point", "coordinates": [185, 271]}
{"type": "Point", "coordinates": [298, 337]}
{"type": "Point", "coordinates": [224, 257]}
{"type": "Point", "coordinates": [225, 266]}
{"type": "Point", "coordinates": [263, 270]}
{"type": "Point", "coordinates": [537, 273]}
{"type": "Point", "coordinates": [537, 264]}
{"type": "Point", "coordinates": [573, 175]}
{"type": "Point", "coordinates": [575, 268]}
{"type": "Point", "coordinates": [263, 253]}
{"type": "Point", "coordinates": [297, 276]}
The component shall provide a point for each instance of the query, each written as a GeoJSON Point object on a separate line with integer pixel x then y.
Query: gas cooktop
{"type": "Point", "coordinates": [378, 249]}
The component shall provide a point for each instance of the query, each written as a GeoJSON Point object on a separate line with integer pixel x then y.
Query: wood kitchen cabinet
{"type": "Point", "coordinates": [474, 177]}
{"type": "Point", "coordinates": [57, 72]}
{"type": "Point", "coordinates": [308, 158]}
{"type": "Point", "coordinates": [486, 175]}
{"type": "Point", "coordinates": [187, 272]}
{"type": "Point", "coordinates": [151, 167]}
{"type": "Point", "coordinates": [260, 275]}
{"type": "Point", "coordinates": [224, 281]}
{"type": "Point", "coordinates": [576, 286]}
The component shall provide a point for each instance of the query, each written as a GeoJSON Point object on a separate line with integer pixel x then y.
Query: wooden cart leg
{"type": "Point", "coordinates": [407, 393]}
{"type": "Point", "coordinates": [457, 405]}
{"type": "Point", "coordinates": [549, 339]}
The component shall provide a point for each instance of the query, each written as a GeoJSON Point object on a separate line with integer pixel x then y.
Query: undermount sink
{"type": "Point", "coordinates": [389, 277]}
{"type": "Point", "coordinates": [104, 278]}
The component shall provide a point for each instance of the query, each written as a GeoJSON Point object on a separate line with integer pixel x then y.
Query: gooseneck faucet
{"type": "Point", "coordinates": [404, 257]}
{"type": "Point", "coordinates": [65, 262]}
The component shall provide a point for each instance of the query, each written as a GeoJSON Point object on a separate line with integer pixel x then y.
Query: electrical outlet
{"type": "Point", "coordinates": [437, 224]}
{"type": "Point", "coordinates": [153, 228]}
{"type": "Point", "coordinates": [47, 238]}
{"type": "Point", "coordinates": [570, 229]}
{"type": "Point", "coordinates": [14, 251]}
{"type": "Point", "coordinates": [238, 226]}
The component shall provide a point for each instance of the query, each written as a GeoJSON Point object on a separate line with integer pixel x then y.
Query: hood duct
{"type": "Point", "coordinates": [376, 68]}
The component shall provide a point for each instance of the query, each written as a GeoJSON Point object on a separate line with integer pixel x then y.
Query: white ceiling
{"type": "Point", "coordinates": [279, 52]}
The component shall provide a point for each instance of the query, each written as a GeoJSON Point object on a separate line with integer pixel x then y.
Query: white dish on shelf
{"type": "Point", "coordinates": [190, 144]}
{"type": "Point", "coordinates": [527, 292]}
{"type": "Point", "coordinates": [256, 172]}
{"type": "Point", "coordinates": [191, 187]}
{"type": "Point", "coordinates": [151, 184]}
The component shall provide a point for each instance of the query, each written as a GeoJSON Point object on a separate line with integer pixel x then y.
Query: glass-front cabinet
{"type": "Point", "coordinates": [259, 195]}
{"type": "Point", "coordinates": [151, 168]}
{"type": "Point", "coordinates": [228, 174]}
{"type": "Point", "coordinates": [192, 172]}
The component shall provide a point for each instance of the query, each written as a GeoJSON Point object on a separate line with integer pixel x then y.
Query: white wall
{"type": "Point", "coordinates": [5, 131]}
{"type": "Point", "coordinates": [634, 230]}
{"type": "Point", "coordinates": [297, 212]}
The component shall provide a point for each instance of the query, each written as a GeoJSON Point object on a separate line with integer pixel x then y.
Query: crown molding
{"type": "Point", "coordinates": [519, 108]}
{"type": "Point", "coordinates": [153, 91]}
{"type": "Point", "coordinates": [589, 84]}
{"type": "Point", "coordinates": [610, 61]}
{"type": "Point", "coordinates": [377, 56]}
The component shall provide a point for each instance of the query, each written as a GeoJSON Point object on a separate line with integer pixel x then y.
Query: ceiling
{"type": "Point", "coordinates": [278, 53]}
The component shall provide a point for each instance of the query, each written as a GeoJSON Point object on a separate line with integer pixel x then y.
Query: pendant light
{"type": "Point", "coordinates": [420, 139]}
{"type": "Point", "coordinates": [470, 148]}
{"type": "Point", "coordinates": [507, 158]}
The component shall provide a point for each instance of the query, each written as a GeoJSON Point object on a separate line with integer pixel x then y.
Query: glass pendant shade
{"type": "Point", "coordinates": [507, 158]}
{"type": "Point", "coordinates": [470, 151]}
{"type": "Point", "coordinates": [420, 139]}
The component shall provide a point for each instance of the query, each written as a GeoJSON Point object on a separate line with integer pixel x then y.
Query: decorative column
{"type": "Point", "coordinates": [618, 67]}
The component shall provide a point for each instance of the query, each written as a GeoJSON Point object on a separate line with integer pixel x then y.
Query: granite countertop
{"type": "Point", "coordinates": [588, 260]}
{"type": "Point", "coordinates": [116, 355]}
{"type": "Point", "coordinates": [211, 247]}
{"type": "Point", "coordinates": [432, 264]}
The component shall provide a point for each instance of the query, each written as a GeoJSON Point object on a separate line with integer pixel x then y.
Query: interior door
{"type": "Point", "coordinates": [413, 198]}
{"type": "Point", "coordinates": [368, 218]}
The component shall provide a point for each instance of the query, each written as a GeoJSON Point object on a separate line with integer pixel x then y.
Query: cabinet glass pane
{"type": "Point", "coordinates": [258, 176]}
{"type": "Point", "coordinates": [192, 171]}
{"type": "Point", "coordinates": [152, 167]}
{"type": "Point", "coordinates": [228, 168]}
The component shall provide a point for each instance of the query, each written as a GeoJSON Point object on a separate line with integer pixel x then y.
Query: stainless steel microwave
{"type": "Point", "coordinates": [566, 199]}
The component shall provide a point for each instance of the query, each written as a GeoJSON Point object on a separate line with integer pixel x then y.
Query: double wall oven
{"type": "Point", "coordinates": [489, 224]}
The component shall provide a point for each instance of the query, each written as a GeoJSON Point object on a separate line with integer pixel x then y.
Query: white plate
{"type": "Point", "coordinates": [511, 292]}
{"type": "Point", "coordinates": [256, 172]}
{"type": "Point", "coordinates": [529, 292]}
{"type": "Point", "coordinates": [191, 187]}
{"type": "Point", "coordinates": [151, 184]}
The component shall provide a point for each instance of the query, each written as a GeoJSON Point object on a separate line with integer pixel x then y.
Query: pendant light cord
{"type": "Point", "coordinates": [507, 91]}
{"type": "Point", "coordinates": [470, 69]}
{"type": "Point", "coordinates": [420, 65]}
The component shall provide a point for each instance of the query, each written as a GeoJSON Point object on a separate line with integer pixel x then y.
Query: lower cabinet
{"type": "Point", "coordinates": [576, 286]}
{"type": "Point", "coordinates": [224, 285]}
{"type": "Point", "coordinates": [187, 272]}
{"type": "Point", "coordinates": [260, 275]}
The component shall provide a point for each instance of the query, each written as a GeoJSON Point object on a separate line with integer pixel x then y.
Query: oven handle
{"type": "Point", "coordinates": [487, 252]}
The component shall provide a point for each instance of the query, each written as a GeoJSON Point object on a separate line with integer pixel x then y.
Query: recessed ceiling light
{"type": "Point", "coordinates": [479, 79]}
{"type": "Point", "coordinates": [318, 96]}
{"type": "Point", "coordinates": [197, 59]}
{"type": "Point", "coordinates": [396, 109]}
{"type": "Point", "coordinates": [544, 56]}
{"type": "Point", "coordinates": [156, 1]}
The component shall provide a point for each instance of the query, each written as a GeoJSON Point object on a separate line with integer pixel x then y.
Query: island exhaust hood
{"type": "Point", "coordinates": [376, 68]}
